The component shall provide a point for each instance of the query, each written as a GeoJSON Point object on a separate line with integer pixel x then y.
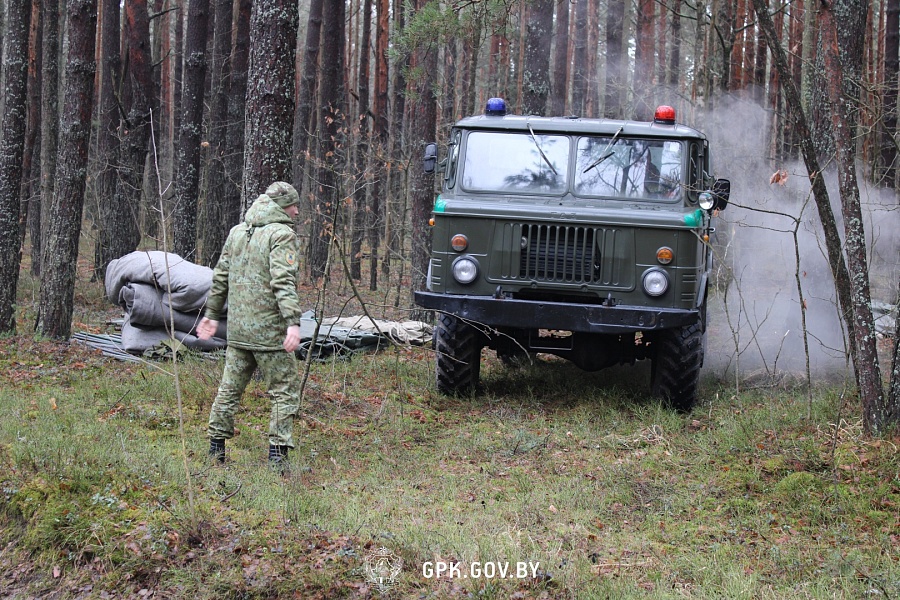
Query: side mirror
{"type": "Point", "coordinates": [721, 191]}
{"type": "Point", "coordinates": [430, 158]}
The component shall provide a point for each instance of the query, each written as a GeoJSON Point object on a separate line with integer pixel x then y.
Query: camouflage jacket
{"type": "Point", "coordinates": [257, 274]}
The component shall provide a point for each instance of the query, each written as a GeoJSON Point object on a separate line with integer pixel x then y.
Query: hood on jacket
{"type": "Point", "coordinates": [264, 211]}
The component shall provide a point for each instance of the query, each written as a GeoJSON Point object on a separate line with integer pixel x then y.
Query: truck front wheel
{"type": "Point", "coordinates": [457, 347]}
{"type": "Point", "coordinates": [675, 371]}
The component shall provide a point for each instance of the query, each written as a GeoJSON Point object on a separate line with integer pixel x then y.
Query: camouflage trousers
{"type": "Point", "coordinates": [283, 380]}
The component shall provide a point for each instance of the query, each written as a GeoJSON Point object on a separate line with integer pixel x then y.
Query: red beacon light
{"type": "Point", "coordinates": [665, 115]}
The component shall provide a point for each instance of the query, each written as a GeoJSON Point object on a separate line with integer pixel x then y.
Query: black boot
{"type": "Point", "coordinates": [217, 450]}
{"type": "Point", "coordinates": [278, 456]}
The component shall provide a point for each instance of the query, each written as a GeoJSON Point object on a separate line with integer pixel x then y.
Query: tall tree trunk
{"type": "Point", "coordinates": [31, 169]}
{"type": "Point", "coordinates": [759, 69]}
{"type": "Point", "coordinates": [470, 62]}
{"type": "Point", "coordinates": [49, 115]}
{"type": "Point", "coordinates": [270, 95]}
{"type": "Point", "coordinates": [360, 219]}
{"type": "Point", "coordinates": [725, 35]}
{"type": "Point", "coordinates": [675, 54]}
{"type": "Point", "coordinates": [330, 154]}
{"type": "Point", "coordinates": [218, 219]}
{"type": "Point", "coordinates": [448, 101]}
{"type": "Point", "coordinates": [307, 92]}
{"type": "Point", "coordinates": [232, 202]}
{"type": "Point", "coordinates": [138, 104]}
{"type": "Point", "coordinates": [536, 71]}
{"type": "Point", "coordinates": [380, 125]}
{"type": "Point", "coordinates": [397, 171]}
{"type": "Point", "coordinates": [424, 124]}
{"type": "Point", "coordinates": [108, 136]}
{"type": "Point", "coordinates": [615, 23]}
{"type": "Point", "coordinates": [58, 282]}
{"type": "Point", "coordinates": [887, 173]}
{"type": "Point", "coordinates": [559, 88]}
{"type": "Point", "coordinates": [643, 60]}
{"type": "Point", "coordinates": [580, 59]}
{"type": "Point", "coordinates": [833, 243]}
{"type": "Point", "coordinates": [12, 143]}
{"type": "Point", "coordinates": [187, 169]}
{"type": "Point", "coordinates": [844, 24]}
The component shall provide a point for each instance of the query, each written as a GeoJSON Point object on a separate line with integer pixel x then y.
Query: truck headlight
{"type": "Point", "coordinates": [655, 282]}
{"type": "Point", "coordinates": [464, 269]}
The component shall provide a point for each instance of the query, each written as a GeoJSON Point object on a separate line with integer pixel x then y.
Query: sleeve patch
{"type": "Point", "coordinates": [290, 257]}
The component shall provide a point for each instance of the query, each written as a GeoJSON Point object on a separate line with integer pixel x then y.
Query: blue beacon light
{"type": "Point", "coordinates": [495, 107]}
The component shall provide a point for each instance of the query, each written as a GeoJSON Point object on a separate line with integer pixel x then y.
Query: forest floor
{"type": "Point", "coordinates": [550, 483]}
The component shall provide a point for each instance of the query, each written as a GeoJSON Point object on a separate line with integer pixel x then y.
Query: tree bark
{"type": "Point", "coordinates": [12, 143]}
{"type": "Point", "coordinates": [270, 95]}
{"type": "Point", "coordinates": [307, 93]}
{"type": "Point", "coordinates": [107, 132]}
{"type": "Point", "coordinates": [380, 126]}
{"type": "Point", "coordinates": [360, 218]}
{"type": "Point", "coordinates": [559, 88]}
{"type": "Point", "coordinates": [887, 174]}
{"type": "Point", "coordinates": [536, 71]}
{"type": "Point", "coordinates": [675, 55]}
{"type": "Point", "coordinates": [49, 115]}
{"type": "Point", "coordinates": [330, 153]}
{"type": "Point", "coordinates": [615, 23]}
{"type": "Point", "coordinates": [58, 282]}
{"type": "Point", "coordinates": [218, 219]}
{"type": "Point", "coordinates": [31, 168]}
{"type": "Point", "coordinates": [187, 169]}
{"type": "Point", "coordinates": [833, 243]}
{"type": "Point", "coordinates": [643, 61]}
{"type": "Point", "coordinates": [580, 59]}
{"type": "Point", "coordinates": [237, 101]}
{"type": "Point", "coordinates": [844, 24]}
{"type": "Point", "coordinates": [122, 231]}
{"type": "Point", "coordinates": [424, 130]}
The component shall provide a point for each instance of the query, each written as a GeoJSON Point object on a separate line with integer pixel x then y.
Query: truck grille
{"type": "Point", "coordinates": [559, 253]}
{"type": "Point", "coordinates": [564, 254]}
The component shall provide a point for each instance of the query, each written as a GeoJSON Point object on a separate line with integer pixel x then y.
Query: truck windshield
{"type": "Point", "coordinates": [516, 162]}
{"type": "Point", "coordinates": [629, 168]}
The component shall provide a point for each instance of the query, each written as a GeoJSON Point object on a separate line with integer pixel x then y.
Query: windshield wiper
{"type": "Point", "coordinates": [605, 155]}
{"type": "Point", "coordinates": [538, 146]}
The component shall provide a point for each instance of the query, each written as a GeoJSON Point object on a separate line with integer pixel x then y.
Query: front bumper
{"type": "Point", "coordinates": [531, 314]}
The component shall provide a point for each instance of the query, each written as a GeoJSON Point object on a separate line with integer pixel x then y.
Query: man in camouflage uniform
{"type": "Point", "coordinates": [257, 275]}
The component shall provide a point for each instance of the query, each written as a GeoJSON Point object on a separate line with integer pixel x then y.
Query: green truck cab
{"type": "Point", "coordinates": [582, 238]}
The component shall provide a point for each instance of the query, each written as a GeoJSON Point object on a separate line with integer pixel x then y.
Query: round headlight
{"type": "Point", "coordinates": [707, 200]}
{"type": "Point", "coordinates": [656, 282]}
{"type": "Point", "coordinates": [465, 270]}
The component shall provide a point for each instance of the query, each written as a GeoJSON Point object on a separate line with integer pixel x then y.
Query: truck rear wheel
{"type": "Point", "coordinates": [457, 347]}
{"type": "Point", "coordinates": [675, 371]}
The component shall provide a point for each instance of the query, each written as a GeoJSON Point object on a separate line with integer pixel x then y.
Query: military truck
{"type": "Point", "coordinates": [583, 238]}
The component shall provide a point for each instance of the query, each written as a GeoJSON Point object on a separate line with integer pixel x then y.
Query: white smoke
{"type": "Point", "coordinates": [755, 314]}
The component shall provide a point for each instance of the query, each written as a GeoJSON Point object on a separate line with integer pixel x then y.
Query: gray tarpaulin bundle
{"type": "Point", "coordinates": [156, 289]}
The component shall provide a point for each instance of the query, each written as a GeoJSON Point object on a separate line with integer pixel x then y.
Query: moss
{"type": "Point", "coordinates": [798, 485]}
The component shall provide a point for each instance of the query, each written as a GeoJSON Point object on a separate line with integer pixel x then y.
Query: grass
{"type": "Point", "coordinates": [613, 495]}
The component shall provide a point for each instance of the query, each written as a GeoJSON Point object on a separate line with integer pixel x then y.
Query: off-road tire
{"type": "Point", "coordinates": [457, 347]}
{"type": "Point", "coordinates": [675, 371]}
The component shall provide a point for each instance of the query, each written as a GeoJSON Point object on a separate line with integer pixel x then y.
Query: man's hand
{"type": "Point", "coordinates": [292, 339]}
{"type": "Point", "coordinates": [207, 328]}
